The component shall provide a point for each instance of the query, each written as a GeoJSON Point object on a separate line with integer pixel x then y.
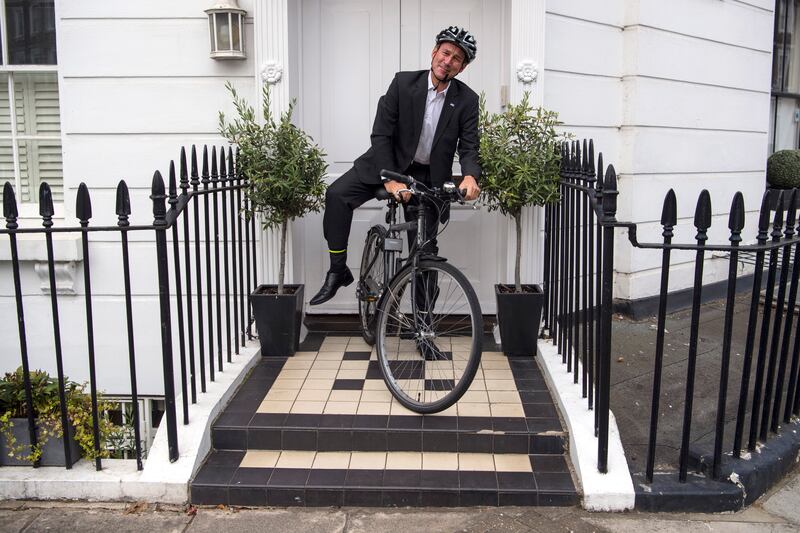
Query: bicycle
{"type": "Point", "coordinates": [420, 312]}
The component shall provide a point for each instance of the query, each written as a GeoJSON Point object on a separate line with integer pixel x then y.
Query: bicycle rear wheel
{"type": "Point", "coordinates": [429, 336]}
{"type": "Point", "coordinates": [370, 281]}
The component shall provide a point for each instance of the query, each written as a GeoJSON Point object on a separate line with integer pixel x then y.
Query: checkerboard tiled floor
{"type": "Point", "coordinates": [320, 428]}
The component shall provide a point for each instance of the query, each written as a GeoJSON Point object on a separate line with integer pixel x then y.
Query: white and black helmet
{"type": "Point", "coordinates": [461, 38]}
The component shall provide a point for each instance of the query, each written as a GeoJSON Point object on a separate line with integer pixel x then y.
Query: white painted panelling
{"type": "Point", "coordinates": [606, 141]}
{"type": "Point", "coordinates": [655, 102]}
{"type": "Point", "coordinates": [667, 55]}
{"type": "Point", "coordinates": [152, 105]}
{"type": "Point", "coordinates": [149, 9]}
{"type": "Point", "coordinates": [727, 22]}
{"type": "Point", "coordinates": [671, 150]}
{"type": "Point", "coordinates": [609, 12]}
{"type": "Point", "coordinates": [579, 46]}
{"type": "Point", "coordinates": [119, 48]}
{"type": "Point", "coordinates": [583, 99]}
{"type": "Point", "coordinates": [681, 276]}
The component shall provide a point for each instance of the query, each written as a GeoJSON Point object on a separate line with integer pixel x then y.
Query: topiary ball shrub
{"type": "Point", "coordinates": [783, 169]}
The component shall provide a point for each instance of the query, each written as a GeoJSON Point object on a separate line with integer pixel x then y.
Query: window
{"type": "Point", "coordinates": [30, 123]}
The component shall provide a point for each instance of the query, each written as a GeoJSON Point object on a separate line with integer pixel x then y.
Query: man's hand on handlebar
{"type": "Point", "coordinates": [394, 188]}
{"type": "Point", "coordinates": [469, 185]}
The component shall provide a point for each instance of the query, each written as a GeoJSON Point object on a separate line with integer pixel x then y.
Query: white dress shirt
{"type": "Point", "coordinates": [433, 110]}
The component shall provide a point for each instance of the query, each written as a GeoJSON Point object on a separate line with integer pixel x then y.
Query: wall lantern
{"type": "Point", "coordinates": [226, 24]}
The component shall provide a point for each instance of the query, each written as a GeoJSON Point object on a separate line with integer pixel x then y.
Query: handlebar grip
{"type": "Point", "coordinates": [395, 176]}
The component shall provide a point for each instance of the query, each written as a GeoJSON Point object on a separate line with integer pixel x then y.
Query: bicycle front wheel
{"type": "Point", "coordinates": [370, 281]}
{"type": "Point", "coordinates": [429, 336]}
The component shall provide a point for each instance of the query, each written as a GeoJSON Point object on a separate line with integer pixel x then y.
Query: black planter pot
{"type": "Point", "coordinates": [52, 451]}
{"type": "Point", "coordinates": [519, 316]}
{"type": "Point", "coordinates": [278, 318]}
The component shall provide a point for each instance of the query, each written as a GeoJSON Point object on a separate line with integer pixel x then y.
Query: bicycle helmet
{"type": "Point", "coordinates": [461, 38]}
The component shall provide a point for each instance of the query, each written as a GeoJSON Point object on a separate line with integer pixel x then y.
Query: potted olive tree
{"type": "Point", "coordinates": [520, 163]}
{"type": "Point", "coordinates": [284, 171]}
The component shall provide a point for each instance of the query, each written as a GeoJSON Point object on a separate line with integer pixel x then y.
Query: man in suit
{"type": "Point", "coordinates": [424, 117]}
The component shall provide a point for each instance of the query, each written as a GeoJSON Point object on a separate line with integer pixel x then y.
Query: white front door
{"type": "Point", "coordinates": [349, 52]}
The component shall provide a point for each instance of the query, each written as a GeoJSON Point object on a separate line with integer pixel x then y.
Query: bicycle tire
{"type": "Point", "coordinates": [370, 281]}
{"type": "Point", "coordinates": [419, 370]}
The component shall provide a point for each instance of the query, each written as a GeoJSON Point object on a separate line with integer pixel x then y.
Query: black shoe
{"type": "Point", "coordinates": [333, 280]}
{"type": "Point", "coordinates": [429, 351]}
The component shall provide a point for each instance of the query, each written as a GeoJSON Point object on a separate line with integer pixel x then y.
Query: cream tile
{"type": "Point", "coordinates": [497, 374]}
{"type": "Point", "coordinates": [312, 395]}
{"type": "Point", "coordinates": [398, 409]}
{"type": "Point", "coordinates": [344, 396]}
{"type": "Point", "coordinates": [303, 355]}
{"type": "Point", "coordinates": [374, 408]}
{"type": "Point", "coordinates": [321, 373]}
{"type": "Point", "coordinates": [293, 374]}
{"type": "Point", "coordinates": [504, 396]}
{"type": "Point", "coordinates": [376, 396]}
{"type": "Point", "coordinates": [507, 409]}
{"type": "Point", "coordinates": [341, 408]}
{"type": "Point", "coordinates": [295, 459]}
{"type": "Point", "coordinates": [295, 364]}
{"type": "Point", "coordinates": [260, 459]}
{"type": "Point", "coordinates": [374, 384]}
{"type": "Point", "coordinates": [358, 346]}
{"type": "Point", "coordinates": [512, 462]}
{"type": "Point", "coordinates": [352, 374]}
{"type": "Point", "coordinates": [274, 407]}
{"type": "Point", "coordinates": [478, 384]}
{"type": "Point", "coordinates": [330, 355]}
{"type": "Point", "coordinates": [336, 339]}
{"type": "Point", "coordinates": [494, 364]}
{"type": "Point", "coordinates": [474, 409]}
{"type": "Point", "coordinates": [475, 396]}
{"type": "Point", "coordinates": [318, 384]}
{"type": "Point", "coordinates": [496, 356]}
{"type": "Point", "coordinates": [500, 384]}
{"type": "Point", "coordinates": [308, 408]}
{"type": "Point", "coordinates": [324, 364]}
{"type": "Point", "coordinates": [367, 460]}
{"type": "Point", "coordinates": [285, 395]}
{"type": "Point", "coordinates": [332, 460]}
{"type": "Point", "coordinates": [475, 462]}
{"type": "Point", "coordinates": [403, 461]}
{"type": "Point", "coordinates": [282, 383]}
{"type": "Point", "coordinates": [354, 365]}
{"type": "Point", "coordinates": [439, 461]}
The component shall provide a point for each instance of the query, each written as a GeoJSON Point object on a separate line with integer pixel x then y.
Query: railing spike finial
{"type": "Point", "coordinates": [777, 222]}
{"type": "Point", "coordinates": [763, 218]}
{"type": "Point", "coordinates": [123, 202]}
{"type": "Point", "coordinates": [702, 215]}
{"type": "Point", "coordinates": [231, 168]}
{"type": "Point", "coordinates": [46, 210]}
{"type": "Point", "coordinates": [791, 214]}
{"type": "Point", "coordinates": [592, 171]}
{"type": "Point", "coordinates": [158, 196]}
{"type": "Point", "coordinates": [194, 165]}
{"type": "Point", "coordinates": [83, 204]}
{"type": "Point", "coordinates": [214, 174]}
{"type": "Point", "coordinates": [669, 213]}
{"type": "Point", "coordinates": [599, 184]}
{"type": "Point", "coordinates": [173, 186]}
{"type": "Point", "coordinates": [10, 211]}
{"type": "Point", "coordinates": [205, 161]}
{"type": "Point", "coordinates": [610, 194]}
{"type": "Point", "coordinates": [184, 173]}
{"type": "Point", "coordinates": [736, 217]}
{"type": "Point", "coordinates": [585, 160]}
{"type": "Point", "coordinates": [222, 165]}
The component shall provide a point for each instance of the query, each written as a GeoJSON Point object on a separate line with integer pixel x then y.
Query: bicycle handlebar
{"type": "Point", "coordinates": [387, 175]}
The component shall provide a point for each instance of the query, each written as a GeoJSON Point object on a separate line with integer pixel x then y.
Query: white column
{"type": "Point", "coordinates": [526, 72]}
{"type": "Point", "coordinates": [271, 54]}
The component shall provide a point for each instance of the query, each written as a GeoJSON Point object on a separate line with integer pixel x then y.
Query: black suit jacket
{"type": "Point", "coordinates": [398, 124]}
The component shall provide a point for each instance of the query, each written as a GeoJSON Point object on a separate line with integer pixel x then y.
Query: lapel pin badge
{"type": "Point", "coordinates": [452, 104]}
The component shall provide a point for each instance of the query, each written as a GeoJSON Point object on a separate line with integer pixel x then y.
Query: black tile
{"type": "Point", "coordinates": [516, 481]}
{"type": "Point", "coordinates": [535, 397]}
{"type": "Point", "coordinates": [209, 495]}
{"type": "Point", "coordinates": [312, 342]}
{"type": "Point", "coordinates": [549, 463]}
{"type": "Point", "coordinates": [477, 480]}
{"type": "Point", "coordinates": [552, 444]}
{"type": "Point", "coordinates": [439, 384]}
{"type": "Point", "coordinates": [264, 420]}
{"type": "Point", "coordinates": [400, 498]}
{"type": "Point", "coordinates": [247, 496]}
{"type": "Point", "coordinates": [476, 497]}
{"type": "Point", "coordinates": [348, 384]}
{"type": "Point", "coordinates": [543, 425]}
{"type": "Point", "coordinates": [539, 410]}
{"type": "Point", "coordinates": [225, 458]}
{"type": "Point", "coordinates": [525, 373]}
{"type": "Point", "coordinates": [242, 406]}
{"type": "Point", "coordinates": [370, 421]}
{"type": "Point", "coordinates": [401, 478]}
{"type": "Point", "coordinates": [251, 477]}
{"type": "Point", "coordinates": [363, 498]}
{"type": "Point", "coordinates": [554, 481]}
{"type": "Point", "coordinates": [474, 423]}
{"type": "Point", "coordinates": [305, 421]}
{"type": "Point", "coordinates": [374, 371]}
{"type": "Point", "coordinates": [264, 439]}
{"type": "Point", "coordinates": [369, 441]}
{"type": "Point", "coordinates": [440, 441]}
{"type": "Point", "coordinates": [364, 478]}
{"type": "Point", "coordinates": [439, 498]}
{"type": "Point", "coordinates": [336, 421]}
{"type": "Point", "coordinates": [288, 477]}
{"type": "Point", "coordinates": [286, 497]}
{"type": "Point", "coordinates": [324, 497]}
{"type": "Point", "coordinates": [440, 423]}
{"type": "Point", "coordinates": [475, 442]}
{"type": "Point", "coordinates": [511, 443]}
{"type": "Point", "coordinates": [521, 498]}
{"type": "Point", "coordinates": [334, 440]}
{"type": "Point", "coordinates": [214, 475]}
{"type": "Point", "coordinates": [558, 498]}
{"type": "Point", "coordinates": [299, 439]}
{"type": "Point", "coordinates": [404, 441]}
{"type": "Point", "coordinates": [251, 394]}
{"type": "Point", "coordinates": [356, 356]}
{"type": "Point", "coordinates": [405, 422]}
{"type": "Point", "coordinates": [439, 479]}
{"type": "Point", "coordinates": [233, 419]}
{"type": "Point", "coordinates": [507, 423]}
{"type": "Point", "coordinates": [527, 385]}
{"type": "Point", "coordinates": [326, 478]}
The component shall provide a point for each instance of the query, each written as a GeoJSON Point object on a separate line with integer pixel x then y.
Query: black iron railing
{"type": "Point", "coordinates": [579, 246]}
{"type": "Point", "coordinates": [190, 198]}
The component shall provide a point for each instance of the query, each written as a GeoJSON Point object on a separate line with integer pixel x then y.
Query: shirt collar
{"type": "Point", "coordinates": [431, 86]}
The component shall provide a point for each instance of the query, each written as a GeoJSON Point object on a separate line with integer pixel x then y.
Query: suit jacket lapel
{"type": "Point", "coordinates": [419, 95]}
{"type": "Point", "coordinates": [447, 112]}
